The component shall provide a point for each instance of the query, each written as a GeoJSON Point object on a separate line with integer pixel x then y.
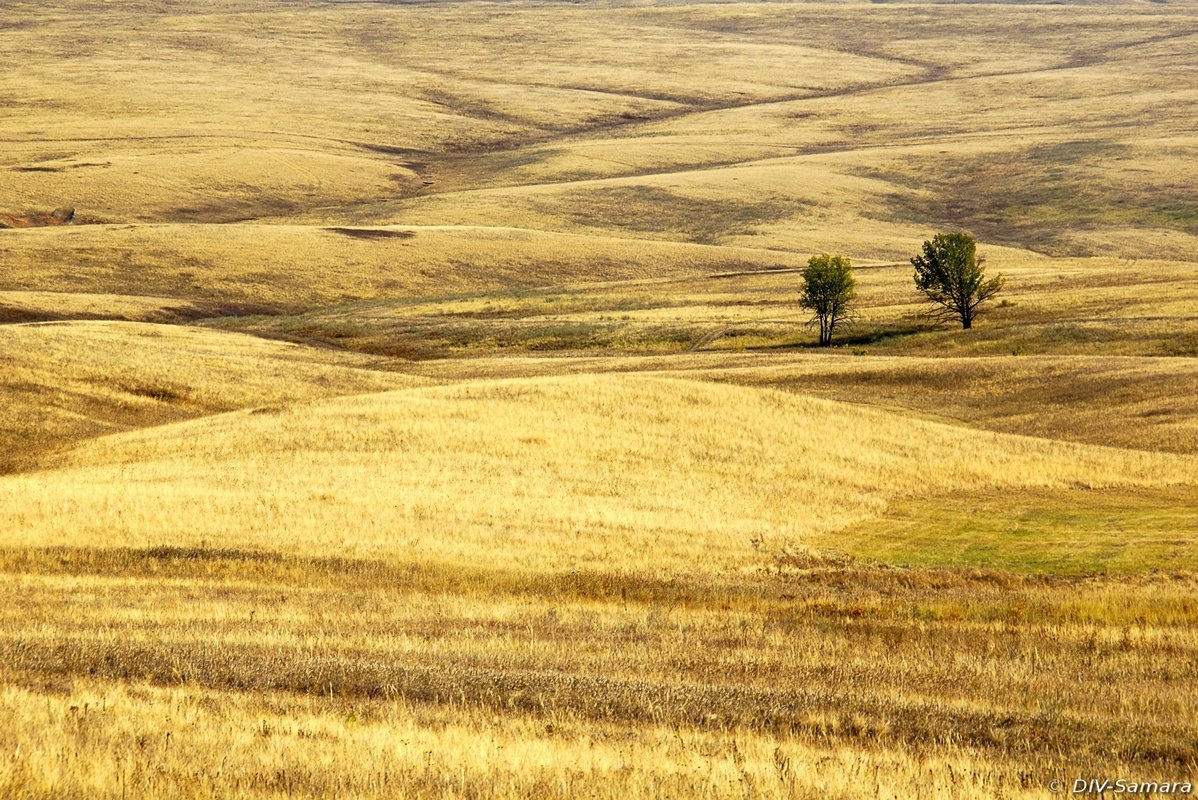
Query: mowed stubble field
{"type": "Point", "coordinates": [418, 405]}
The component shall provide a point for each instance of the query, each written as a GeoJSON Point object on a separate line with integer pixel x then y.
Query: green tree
{"type": "Point", "coordinates": [828, 293]}
{"type": "Point", "coordinates": [952, 277]}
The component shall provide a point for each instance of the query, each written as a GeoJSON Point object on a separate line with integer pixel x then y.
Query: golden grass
{"type": "Point", "coordinates": [66, 381]}
{"type": "Point", "coordinates": [1144, 403]}
{"type": "Point", "coordinates": [147, 742]}
{"type": "Point", "coordinates": [1139, 403]}
{"type": "Point", "coordinates": [1052, 306]}
{"type": "Point", "coordinates": [220, 270]}
{"type": "Point", "coordinates": [237, 674]}
{"type": "Point", "coordinates": [562, 505]}
{"type": "Point", "coordinates": [609, 472]}
{"type": "Point", "coordinates": [603, 120]}
{"type": "Point", "coordinates": [33, 306]}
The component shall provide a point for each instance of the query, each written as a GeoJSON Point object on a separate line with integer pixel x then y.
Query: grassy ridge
{"type": "Point", "coordinates": [212, 271]}
{"type": "Point", "coordinates": [649, 474]}
{"type": "Point", "coordinates": [1053, 306]}
{"type": "Point", "coordinates": [65, 382]}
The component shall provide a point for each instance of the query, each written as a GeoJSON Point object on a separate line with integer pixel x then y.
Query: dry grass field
{"type": "Point", "coordinates": [417, 401]}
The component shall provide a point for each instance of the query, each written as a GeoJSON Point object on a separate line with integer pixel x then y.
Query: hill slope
{"type": "Point", "coordinates": [63, 382]}
{"type": "Point", "coordinates": [605, 473]}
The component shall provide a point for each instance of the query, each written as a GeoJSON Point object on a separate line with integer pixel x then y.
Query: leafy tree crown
{"type": "Point", "coordinates": [953, 278]}
{"type": "Point", "coordinates": [828, 285]}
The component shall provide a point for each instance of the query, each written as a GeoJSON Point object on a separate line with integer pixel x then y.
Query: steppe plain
{"type": "Point", "coordinates": [417, 403]}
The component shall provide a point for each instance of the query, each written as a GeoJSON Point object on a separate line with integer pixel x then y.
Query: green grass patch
{"type": "Point", "coordinates": [1073, 532]}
